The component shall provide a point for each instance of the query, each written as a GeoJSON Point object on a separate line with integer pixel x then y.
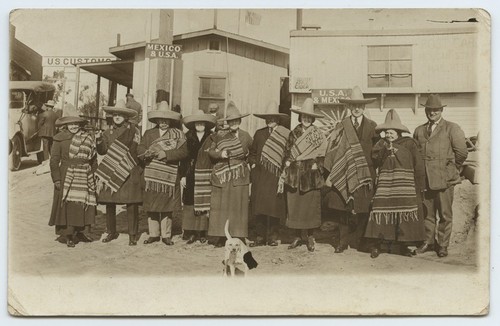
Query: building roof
{"type": "Point", "coordinates": [120, 71]}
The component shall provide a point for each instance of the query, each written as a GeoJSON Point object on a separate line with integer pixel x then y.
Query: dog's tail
{"type": "Point", "coordinates": [226, 230]}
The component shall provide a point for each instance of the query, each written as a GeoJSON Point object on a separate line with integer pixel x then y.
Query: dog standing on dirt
{"type": "Point", "coordinates": [236, 255]}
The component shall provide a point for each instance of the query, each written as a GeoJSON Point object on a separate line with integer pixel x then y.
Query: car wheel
{"type": "Point", "coordinates": [40, 157]}
{"type": "Point", "coordinates": [15, 156]}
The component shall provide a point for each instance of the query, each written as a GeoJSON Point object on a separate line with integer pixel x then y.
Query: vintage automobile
{"type": "Point", "coordinates": [25, 106]}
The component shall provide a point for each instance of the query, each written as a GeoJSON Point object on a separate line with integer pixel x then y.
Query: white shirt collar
{"type": "Point", "coordinates": [360, 119]}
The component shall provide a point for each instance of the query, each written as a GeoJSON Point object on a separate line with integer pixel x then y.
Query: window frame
{"type": "Point", "coordinates": [388, 75]}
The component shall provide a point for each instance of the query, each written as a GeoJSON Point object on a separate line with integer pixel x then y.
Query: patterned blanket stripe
{"type": "Point", "coordinates": [273, 150]}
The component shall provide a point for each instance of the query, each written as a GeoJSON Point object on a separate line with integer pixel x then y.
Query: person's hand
{"type": "Point", "coordinates": [281, 186]}
{"type": "Point", "coordinates": [287, 164]}
{"type": "Point", "coordinates": [224, 154]}
{"type": "Point", "coordinates": [161, 155]}
{"type": "Point", "coordinates": [253, 166]}
{"type": "Point", "coordinates": [314, 166]}
{"type": "Point", "coordinates": [57, 185]}
{"type": "Point", "coordinates": [183, 182]}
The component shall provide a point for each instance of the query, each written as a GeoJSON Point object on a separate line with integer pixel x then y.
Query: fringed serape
{"type": "Point", "coordinates": [202, 177]}
{"type": "Point", "coordinates": [273, 150]}
{"type": "Point", "coordinates": [234, 167]}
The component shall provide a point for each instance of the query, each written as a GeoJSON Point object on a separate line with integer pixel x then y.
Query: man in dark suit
{"type": "Point", "coordinates": [352, 214]}
{"type": "Point", "coordinates": [443, 148]}
{"type": "Point", "coordinates": [47, 127]}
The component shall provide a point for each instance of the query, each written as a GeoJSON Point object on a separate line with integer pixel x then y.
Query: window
{"type": "Point", "coordinates": [214, 45]}
{"type": "Point", "coordinates": [390, 66]}
{"type": "Point", "coordinates": [212, 90]}
{"type": "Point", "coordinates": [16, 99]}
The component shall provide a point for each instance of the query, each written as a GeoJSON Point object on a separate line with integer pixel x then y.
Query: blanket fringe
{"type": "Point", "coordinates": [233, 174]}
{"type": "Point", "coordinates": [269, 166]}
{"type": "Point", "coordinates": [159, 187]}
{"type": "Point", "coordinates": [384, 217]}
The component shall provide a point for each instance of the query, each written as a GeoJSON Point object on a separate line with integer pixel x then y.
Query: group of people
{"type": "Point", "coordinates": [383, 189]}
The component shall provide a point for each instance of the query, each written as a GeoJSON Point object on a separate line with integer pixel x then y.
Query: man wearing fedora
{"type": "Point", "coordinates": [351, 173]}
{"type": "Point", "coordinates": [443, 148]}
{"type": "Point", "coordinates": [195, 179]}
{"type": "Point", "coordinates": [161, 149]}
{"type": "Point", "coordinates": [47, 127]}
{"type": "Point", "coordinates": [119, 176]}
{"type": "Point", "coordinates": [136, 106]}
{"type": "Point", "coordinates": [266, 159]}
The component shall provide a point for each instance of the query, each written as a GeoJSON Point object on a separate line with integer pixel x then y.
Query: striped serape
{"type": "Point", "coordinates": [273, 150]}
{"type": "Point", "coordinates": [202, 178]}
{"type": "Point", "coordinates": [346, 162]}
{"type": "Point", "coordinates": [79, 183]}
{"type": "Point", "coordinates": [161, 176]}
{"type": "Point", "coordinates": [234, 167]}
{"type": "Point", "coordinates": [310, 145]}
{"type": "Point", "coordinates": [117, 163]}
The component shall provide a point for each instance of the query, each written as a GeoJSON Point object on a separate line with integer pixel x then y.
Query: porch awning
{"type": "Point", "coordinates": [121, 71]}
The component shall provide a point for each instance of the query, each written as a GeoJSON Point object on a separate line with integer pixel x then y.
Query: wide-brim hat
{"type": "Point", "coordinates": [392, 121]}
{"type": "Point", "coordinates": [272, 110]}
{"type": "Point", "coordinates": [199, 116]}
{"type": "Point", "coordinates": [232, 113]}
{"type": "Point", "coordinates": [433, 102]}
{"type": "Point", "coordinates": [307, 109]}
{"type": "Point", "coordinates": [70, 120]}
{"type": "Point", "coordinates": [357, 97]}
{"type": "Point", "coordinates": [50, 103]}
{"type": "Point", "coordinates": [163, 112]}
{"type": "Point", "coordinates": [120, 108]}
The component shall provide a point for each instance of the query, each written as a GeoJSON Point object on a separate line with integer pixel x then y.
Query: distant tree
{"type": "Point", "coordinates": [87, 96]}
{"type": "Point", "coordinates": [58, 80]}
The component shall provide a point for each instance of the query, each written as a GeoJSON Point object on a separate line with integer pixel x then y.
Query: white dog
{"type": "Point", "coordinates": [236, 255]}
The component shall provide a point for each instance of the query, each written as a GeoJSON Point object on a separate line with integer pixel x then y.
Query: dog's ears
{"type": "Point", "coordinates": [248, 259]}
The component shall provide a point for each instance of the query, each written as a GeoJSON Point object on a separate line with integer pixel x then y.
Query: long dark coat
{"type": "Point", "coordinates": [188, 164]}
{"type": "Point", "coordinates": [154, 201]}
{"type": "Point", "coordinates": [265, 199]}
{"type": "Point", "coordinates": [69, 213]}
{"type": "Point", "coordinates": [131, 190]}
{"type": "Point", "coordinates": [363, 196]}
{"type": "Point", "coordinates": [443, 152]}
{"type": "Point", "coordinates": [47, 124]}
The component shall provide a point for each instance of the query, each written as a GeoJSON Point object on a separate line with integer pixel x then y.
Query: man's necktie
{"type": "Point", "coordinates": [356, 124]}
{"type": "Point", "coordinates": [429, 128]}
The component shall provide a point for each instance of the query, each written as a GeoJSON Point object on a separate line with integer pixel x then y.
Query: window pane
{"type": "Point", "coordinates": [378, 53]}
{"type": "Point", "coordinates": [16, 99]}
{"type": "Point", "coordinates": [400, 81]}
{"type": "Point", "coordinates": [401, 52]}
{"type": "Point", "coordinates": [378, 67]}
{"type": "Point", "coordinates": [205, 103]}
{"type": "Point", "coordinates": [378, 80]}
{"type": "Point", "coordinates": [214, 45]}
{"type": "Point", "coordinates": [212, 87]}
{"type": "Point", "coordinates": [401, 67]}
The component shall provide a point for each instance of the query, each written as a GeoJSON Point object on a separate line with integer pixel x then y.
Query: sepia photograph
{"type": "Point", "coordinates": [248, 162]}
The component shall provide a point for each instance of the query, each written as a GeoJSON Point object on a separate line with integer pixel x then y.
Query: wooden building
{"type": "Point", "coordinates": [400, 68]}
{"type": "Point", "coordinates": [25, 63]}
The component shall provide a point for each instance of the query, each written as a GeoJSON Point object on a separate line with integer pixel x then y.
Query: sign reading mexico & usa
{"type": "Point", "coordinates": [165, 51]}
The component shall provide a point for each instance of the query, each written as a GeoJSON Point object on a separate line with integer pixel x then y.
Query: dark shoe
{"type": "Point", "coordinates": [340, 249]}
{"type": "Point", "coordinates": [297, 242]}
{"type": "Point", "coordinates": [272, 243]}
{"type": "Point", "coordinates": [424, 248]}
{"type": "Point", "coordinates": [258, 242]}
{"type": "Point", "coordinates": [167, 241]}
{"type": "Point", "coordinates": [374, 253]}
{"type": "Point", "coordinates": [405, 251]}
{"type": "Point", "coordinates": [69, 241]}
{"type": "Point", "coordinates": [132, 241]}
{"type": "Point", "coordinates": [310, 243]}
{"type": "Point", "coordinates": [110, 237]}
{"type": "Point", "coordinates": [443, 252]}
{"type": "Point", "coordinates": [151, 240]}
{"type": "Point", "coordinates": [203, 240]}
{"type": "Point", "coordinates": [221, 242]}
{"type": "Point", "coordinates": [61, 239]}
{"type": "Point", "coordinates": [191, 239]}
{"type": "Point", "coordinates": [83, 237]}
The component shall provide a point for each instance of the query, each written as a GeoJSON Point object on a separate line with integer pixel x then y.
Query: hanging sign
{"type": "Point", "coordinates": [329, 96]}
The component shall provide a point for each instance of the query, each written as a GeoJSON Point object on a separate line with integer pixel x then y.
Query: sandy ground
{"type": "Point", "coordinates": [33, 251]}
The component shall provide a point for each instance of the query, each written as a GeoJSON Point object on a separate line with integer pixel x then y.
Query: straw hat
{"type": "Point", "coordinates": [433, 102]}
{"type": "Point", "coordinates": [199, 116]}
{"type": "Point", "coordinates": [307, 109]}
{"type": "Point", "coordinates": [232, 112]}
{"type": "Point", "coordinates": [356, 97]}
{"type": "Point", "coordinates": [163, 112]}
{"type": "Point", "coordinates": [70, 120]}
{"type": "Point", "coordinates": [120, 108]}
{"type": "Point", "coordinates": [50, 103]}
{"type": "Point", "coordinates": [392, 121]}
{"type": "Point", "coordinates": [272, 110]}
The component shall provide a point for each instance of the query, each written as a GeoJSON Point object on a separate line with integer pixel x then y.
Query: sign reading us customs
{"type": "Point", "coordinates": [165, 51]}
{"type": "Point", "coordinates": [69, 61]}
{"type": "Point", "coordinates": [329, 96]}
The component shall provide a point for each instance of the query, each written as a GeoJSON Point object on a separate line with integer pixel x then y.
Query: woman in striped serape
{"type": "Point", "coordinates": [72, 166]}
{"type": "Point", "coordinates": [230, 178]}
{"type": "Point", "coordinates": [161, 149]}
{"type": "Point", "coordinates": [396, 216]}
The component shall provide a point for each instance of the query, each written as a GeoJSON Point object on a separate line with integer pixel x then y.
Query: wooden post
{"type": "Point", "coordinates": [98, 97]}
{"type": "Point", "coordinates": [299, 19]}
{"type": "Point", "coordinates": [145, 89]}
{"type": "Point", "coordinates": [77, 86]}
